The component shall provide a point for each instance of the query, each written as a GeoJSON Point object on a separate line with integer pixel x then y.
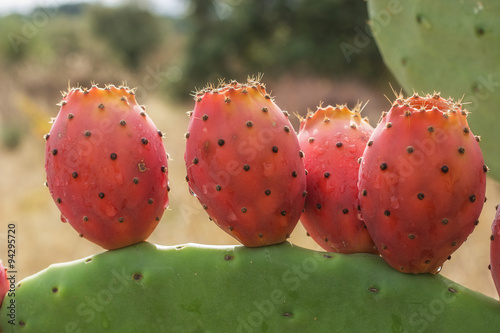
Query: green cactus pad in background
{"type": "Point", "coordinates": [279, 288]}
{"type": "Point", "coordinates": [448, 46]}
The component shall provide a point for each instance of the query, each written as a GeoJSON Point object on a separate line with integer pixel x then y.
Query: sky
{"type": "Point", "coordinates": [169, 7]}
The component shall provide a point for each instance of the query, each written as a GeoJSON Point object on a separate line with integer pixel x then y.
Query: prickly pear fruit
{"type": "Point", "coordinates": [333, 139]}
{"type": "Point", "coordinates": [106, 166]}
{"type": "Point", "coordinates": [421, 182]}
{"type": "Point", "coordinates": [4, 283]}
{"type": "Point", "coordinates": [274, 288]}
{"type": "Point", "coordinates": [244, 163]}
{"type": "Point", "coordinates": [495, 250]}
{"type": "Point", "coordinates": [410, 35]}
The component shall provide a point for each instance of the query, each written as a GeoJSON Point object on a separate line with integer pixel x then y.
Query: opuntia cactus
{"type": "Point", "coordinates": [422, 182]}
{"type": "Point", "coordinates": [495, 250]}
{"type": "Point", "coordinates": [106, 166]}
{"type": "Point", "coordinates": [279, 288]}
{"type": "Point", "coordinates": [447, 46]}
{"type": "Point", "coordinates": [333, 139]}
{"type": "Point", "coordinates": [244, 163]}
{"type": "Point", "coordinates": [4, 283]}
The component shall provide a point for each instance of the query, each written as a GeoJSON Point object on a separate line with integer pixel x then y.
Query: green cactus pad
{"type": "Point", "coordinates": [279, 288]}
{"type": "Point", "coordinates": [448, 46]}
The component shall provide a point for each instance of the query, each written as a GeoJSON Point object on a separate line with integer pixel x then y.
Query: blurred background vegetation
{"type": "Point", "coordinates": [309, 52]}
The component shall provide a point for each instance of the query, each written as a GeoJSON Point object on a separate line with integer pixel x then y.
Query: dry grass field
{"type": "Point", "coordinates": [42, 239]}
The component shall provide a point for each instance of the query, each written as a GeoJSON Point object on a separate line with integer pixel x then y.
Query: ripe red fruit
{"type": "Point", "coordinates": [333, 139]}
{"type": "Point", "coordinates": [495, 250]}
{"type": "Point", "coordinates": [4, 283]}
{"type": "Point", "coordinates": [421, 183]}
{"type": "Point", "coordinates": [244, 163]}
{"type": "Point", "coordinates": [106, 166]}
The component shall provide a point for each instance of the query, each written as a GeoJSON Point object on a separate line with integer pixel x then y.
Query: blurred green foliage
{"type": "Point", "coordinates": [130, 31]}
{"type": "Point", "coordinates": [231, 38]}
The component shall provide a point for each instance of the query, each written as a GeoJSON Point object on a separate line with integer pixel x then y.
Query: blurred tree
{"type": "Point", "coordinates": [129, 30]}
{"type": "Point", "coordinates": [320, 37]}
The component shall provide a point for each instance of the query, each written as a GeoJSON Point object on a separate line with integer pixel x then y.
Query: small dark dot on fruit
{"type": "Point", "coordinates": [54, 152]}
{"type": "Point", "coordinates": [311, 139]}
{"type": "Point", "coordinates": [339, 144]}
{"type": "Point", "coordinates": [135, 180]}
{"type": "Point", "coordinates": [144, 141]}
{"type": "Point", "coordinates": [387, 212]}
{"type": "Point", "coordinates": [121, 219]}
{"type": "Point", "coordinates": [445, 169]}
{"type": "Point", "coordinates": [383, 166]}
{"type": "Point", "coordinates": [294, 173]}
{"type": "Point", "coordinates": [74, 174]}
{"type": "Point", "coordinates": [100, 106]}
{"type": "Point", "coordinates": [244, 210]}
{"type": "Point", "coordinates": [411, 236]}
{"type": "Point", "coordinates": [246, 167]}
{"type": "Point", "coordinates": [420, 196]}
{"type": "Point", "coordinates": [58, 200]}
{"type": "Point", "coordinates": [87, 133]}
{"type": "Point", "coordinates": [137, 276]}
{"type": "Point", "coordinates": [157, 218]}
{"type": "Point", "coordinates": [373, 290]}
{"type": "Point", "coordinates": [22, 323]}
{"type": "Point", "coordinates": [476, 222]}
{"type": "Point", "coordinates": [453, 243]}
{"type": "Point", "coordinates": [46, 136]}
{"type": "Point", "coordinates": [113, 156]}
{"type": "Point", "coordinates": [287, 129]}
{"type": "Point", "coordinates": [489, 267]}
{"type": "Point", "coordinates": [410, 149]}
{"type": "Point", "coordinates": [264, 109]}
{"type": "Point", "coordinates": [304, 194]}
{"type": "Point", "coordinates": [55, 290]}
{"type": "Point", "coordinates": [485, 168]}
{"type": "Point", "coordinates": [195, 160]}
{"type": "Point", "coordinates": [427, 261]}
{"type": "Point", "coordinates": [301, 153]}
{"type": "Point", "coordinates": [472, 198]}
{"type": "Point", "coordinates": [388, 125]}
{"type": "Point", "coordinates": [228, 257]}
{"type": "Point", "coordinates": [85, 219]}
{"type": "Point", "coordinates": [150, 201]}
{"type": "Point", "coordinates": [444, 221]}
{"type": "Point", "coordinates": [466, 130]}
{"type": "Point", "coordinates": [221, 142]}
{"type": "Point", "coordinates": [70, 116]}
{"type": "Point", "coordinates": [123, 122]}
{"type": "Point", "coordinates": [326, 174]}
{"type": "Point", "coordinates": [318, 206]}
{"type": "Point", "coordinates": [364, 192]}
{"type": "Point", "coordinates": [283, 212]}
{"type": "Point", "coordinates": [186, 135]}
{"type": "Point", "coordinates": [345, 210]}
{"type": "Point", "coordinates": [101, 195]}
{"type": "Point", "coordinates": [370, 143]}
{"type": "Point", "coordinates": [205, 207]}
{"type": "Point", "coordinates": [218, 188]}
{"type": "Point", "coordinates": [163, 169]}
{"type": "Point", "coordinates": [230, 228]}
{"type": "Point", "coordinates": [275, 149]}
{"type": "Point", "coordinates": [261, 235]}
{"type": "Point", "coordinates": [249, 123]}
{"type": "Point", "coordinates": [267, 192]}
{"type": "Point", "coordinates": [205, 117]}
{"type": "Point", "coordinates": [326, 240]}
{"type": "Point", "coordinates": [430, 129]}
{"type": "Point", "coordinates": [461, 150]}
{"type": "Point", "coordinates": [492, 237]}
{"type": "Point", "coordinates": [160, 133]}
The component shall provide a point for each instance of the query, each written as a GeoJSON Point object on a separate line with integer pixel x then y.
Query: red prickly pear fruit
{"type": "Point", "coordinates": [333, 139]}
{"type": "Point", "coordinates": [244, 163]}
{"type": "Point", "coordinates": [106, 166]}
{"type": "Point", "coordinates": [495, 250]}
{"type": "Point", "coordinates": [4, 283]}
{"type": "Point", "coordinates": [422, 182]}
